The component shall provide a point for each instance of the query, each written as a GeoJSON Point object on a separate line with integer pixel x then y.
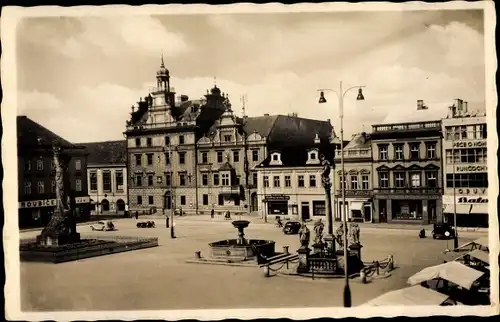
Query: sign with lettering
{"type": "Point", "coordinates": [470, 144]}
{"type": "Point", "coordinates": [464, 200]}
{"type": "Point", "coordinates": [276, 197]}
{"type": "Point", "coordinates": [472, 168]}
{"type": "Point", "coordinates": [473, 191]}
{"type": "Point", "coordinates": [49, 202]}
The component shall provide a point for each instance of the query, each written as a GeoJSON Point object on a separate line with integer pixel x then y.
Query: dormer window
{"type": "Point", "coordinates": [312, 157]}
{"type": "Point", "coordinates": [227, 138]}
{"type": "Point", "coordinates": [275, 159]}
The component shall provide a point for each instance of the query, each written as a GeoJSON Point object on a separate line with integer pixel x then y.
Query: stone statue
{"type": "Point", "coordinates": [353, 236]}
{"type": "Point", "coordinates": [325, 175]}
{"type": "Point", "coordinates": [62, 224]}
{"type": "Point", "coordinates": [304, 235]}
{"type": "Point", "coordinates": [339, 235]}
{"type": "Point", "coordinates": [318, 231]}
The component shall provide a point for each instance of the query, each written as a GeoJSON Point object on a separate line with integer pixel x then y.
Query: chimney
{"type": "Point", "coordinates": [465, 105]}
{"type": "Point", "coordinates": [363, 134]}
{"type": "Point", "coordinates": [329, 121]}
{"type": "Point", "coordinates": [420, 104]}
{"type": "Point", "coordinates": [184, 98]}
{"type": "Point", "coordinates": [458, 105]}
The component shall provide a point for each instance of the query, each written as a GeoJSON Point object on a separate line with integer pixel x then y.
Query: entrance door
{"type": "Point", "coordinates": [305, 211]}
{"type": "Point", "coordinates": [368, 213]}
{"type": "Point", "coordinates": [253, 202]}
{"type": "Point", "coordinates": [168, 201]}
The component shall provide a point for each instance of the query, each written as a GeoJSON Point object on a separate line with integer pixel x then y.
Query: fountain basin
{"type": "Point", "coordinates": [230, 249]}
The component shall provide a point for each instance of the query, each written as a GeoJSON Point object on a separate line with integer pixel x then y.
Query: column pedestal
{"type": "Point", "coordinates": [330, 243]}
{"type": "Point", "coordinates": [303, 266]}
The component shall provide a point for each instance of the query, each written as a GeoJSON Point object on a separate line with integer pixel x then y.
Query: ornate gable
{"type": "Point", "coordinates": [399, 167]}
{"type": "Point", "coordinates": [431, 167]}
{"type": "Point", "coordinates": [383, 168]}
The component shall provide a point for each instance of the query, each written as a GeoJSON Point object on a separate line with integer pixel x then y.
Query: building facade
{"type": "Point", "coordinates": [107, 177]}
{"type": "Point", "coordinates": [358, 182]}
{"type": "Point", "coordinates": [195, 155]}
{"type": "Point", "coordinates": [36, 173]}
{"type": "Point", "coordinates": [407, 181]}
{"type": "Point", "coordinates": [465, 164]}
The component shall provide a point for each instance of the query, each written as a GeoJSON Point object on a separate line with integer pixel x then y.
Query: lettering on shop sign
{"type": "Point", "coordinates": [468, 191]}
{"type": "Point", "coordinates": [469, 144]}
{"type": "Point", "coordinates": [277, 197]}
{"type": "Point", "coordinates": [49, 202]}
{"type": "Point", "coordinates": [472, 168]}
{"type": "Point", "coordinates": [472, 200]}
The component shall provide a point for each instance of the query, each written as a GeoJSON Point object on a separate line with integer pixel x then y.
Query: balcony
{"type": "Point", "coordinates": [355, 193]}
{"type": "Point", "coordinates": [407, 126]}
{"type": "Point", "coordinates": [230, 190]}
{"type": "Point", "coordinates": [408, 191]}
{"type": "Point", "coordinates": [162, 125]}
{"type": "Point", "coordinates": [360, 153]}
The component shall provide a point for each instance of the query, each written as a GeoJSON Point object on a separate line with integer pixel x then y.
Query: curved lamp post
{"type": "Point", "coordinates": [341, 94]}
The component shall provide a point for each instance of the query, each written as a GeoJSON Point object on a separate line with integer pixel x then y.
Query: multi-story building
{"type": "Point", "coordinates": [196, 154]}
{"type": "Point", "coordinates": [358, 180]}
{"type": "Point", "coordinates": [464, 145]}
{"type": "Point", "coordinates": [36, 173]}
{"type": "Point", "coordinates": [407, 177]}
{"type": "Point", "coordinates": [291, 185]}
{"type": "Point", "coordinates": [107, 173]}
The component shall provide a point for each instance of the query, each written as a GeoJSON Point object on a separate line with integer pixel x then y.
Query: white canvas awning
{"type": "Point", "coordinates": [461, 209]}
{"type": "Point", "coordinates": [454, 272]}
{"type": "Point", "coordinates": [481, 255]}
{"type": "Point", "coordinates": [481, 208]}
{"type": "Point", "coordinates": [356, 205]}
{"type": "Point", "coordinates": [483, 241]}
{"type": "Point", "coordinates": [413, 295]}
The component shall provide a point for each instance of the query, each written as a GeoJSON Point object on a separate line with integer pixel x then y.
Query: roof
{"type": "Point", "coordinates": [30, 133]}
{"type": "Point", "coordinates": [410, 115]}
{"type": "Point", "coordinates": [108, 152]}
{"type": "Point", "coordinates": [359, 141]}
{"type": "Point", "coordinates": [454, 272]}
{"type": "Point", "coordinates": [413, 295]}
{"type": "Point", "coordinates": [296, 156]}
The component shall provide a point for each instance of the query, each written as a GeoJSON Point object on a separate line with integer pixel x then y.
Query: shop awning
{"type": "Point", "coordinates": [356, 205]}
{"type": "Point", "coordinates": [461, 209]}
{"type": "Point", "coordinates": [481, 255]}
{"type": "Point", "coordinates": [454, 272]}
{"type": "Point", "coordinates": [479, 209]}
{"type": "Point", "coordinates": [413, 295]}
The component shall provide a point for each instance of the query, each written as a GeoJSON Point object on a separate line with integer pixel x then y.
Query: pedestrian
{"type": "Point", "coordinates": [212, 212]}
{"type": "Point", "coordinates": [136, 215]}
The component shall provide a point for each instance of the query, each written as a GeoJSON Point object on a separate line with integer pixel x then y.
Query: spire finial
{"type": "Point", "coordinates": [162, 62]}
{"type": "Point", "coordinates": [215, 81]}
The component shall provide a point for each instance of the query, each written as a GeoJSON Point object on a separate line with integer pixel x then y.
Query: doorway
{"type": "Point", "coordinates": [168, 200]}
{"type": "Point", "coordinates": [368, 213]}
{"type": "Point", "coordinates": [305, 211]}
{"type": "Point", "coordinates": [253, 202]}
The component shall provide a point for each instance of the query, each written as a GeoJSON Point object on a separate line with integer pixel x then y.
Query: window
{"type": "Point", "coordinates": [221, 200]}
{"type": "Point", "coordinates": [480, 131]}
{"type": "Point", "coordinates": [312, 180]}
{"type": "Point", "coordinates": [227, 138]}
{"type": "Point", "coordinates": [415, 179]}
{"type": "Point", "coordinates": [93, 181]}
{"type": "Point", "coordinates": [139, 200]}
{"type": "Point", "coordinates": [149, 142]}
{"type": "Point", "coordinates": [27, 187]}
{"type": "Point", "coordinates": [414, 151]}
{"type": "Point", "coordinates": [468, 180]}
{"type": "Point", "coordinates": [219, 157]}
{"type": "Point", "coordinates": [183, 200]}
{"type": "Point", "coordinates": [384, 179]}
{"type": "Point", "coordinates": [254, 178]}
{"type": "Point", "coordinates": [276, 181]}
{"type": "Point", "coordinates": [150, 158]}
{"type": "Point", "coordinates": [78, 185]}
{"type": "Point", "coordinates": [216, 179]}
{"type": "Point", "coordinates": [150, 180]}
{"type": "Point", "coordinates": [236, 156]}
{"type": "Point", "coordinates": [182, 157]}
{"type": "Point", "coordinates": [138, 159]}
{"type": "Point", "coordinates": [237, 201]}
{"type": "Point", "coordinates": [313, 156]}
{"type": "Point", "coordinates": [205, 200]}
{"type": "Point", "coordinates": [137, 142]}
{"type": "Point", "coordinates": [275, 157]}
{"type": "Point", "coordinates": [106, 181]}
{"type": "Point", "coordinates": [138, 180]}
{"type": "Point", "coordinates": [119, 180]}
{"type": "Point", "coordinates": [151, 200]}
{"type": "Point", "coordinates": [288, 181]}
{"type": "Point", "coordinates": [463, 132]}
{"type": "Point", "coordinates": [27, 165]}
{"type": "Point", "coordinates": [40, 186]}
{"type": "Point", "coordinates": [204, 179]}
{"type": "Point", "coordinates": [167, 140]}
{"type": "Point", "coordinates": [431, 150]}
{"type": "Point", "coordinates": [181, 139]}
{"type": "Point", "coordinates": [398, 152]}
{"type": "Point", "coordinates": [354, 182]}
{"type": "Point", "coordinates": [225, 179]}
{"type": "Point", "coordinates": [53, 186]}
{"type": "Point", "coordinates": [266, 182]}
{"type": "Point", "coordinates": [168, 179]}
{"type": "Point", "coordinates": [237, 180]}
{"type": "Point", "coordinates": [204, 157]}
{"type": "Point", "coordinates": [399, 179]}
{"type": "Point", "coordinates": [39, 165]}
{"type": "Point", "coordinates": [319, 208]}
{"type": "Point", "coordinates": [343, 180]}
{"type": "Point", "coordinates": [78, 164]}
{"type": "Point", "coordinates": [255, 155]}
{"type": "Point", "coordinates": [431, 179]}
{"type": "Point", "coordinates": [382, 150]}
{"type": "Point", "coordinates": [365, 183]}
{"type": "Point", "coordinates": [182, 179]}
{"type": "Point", "coordinates": [167, 158]}
{"type": "Point", "coordinates": [300, 181]}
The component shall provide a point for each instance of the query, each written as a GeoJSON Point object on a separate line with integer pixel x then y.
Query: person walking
{"type": "Point", "coordinates": [136, 215]}
{"type": "Point", "coordinates": [212, 213]}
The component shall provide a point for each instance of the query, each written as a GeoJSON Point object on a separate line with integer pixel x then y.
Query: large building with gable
{"type": "Point", "coordinates": [195, 155]}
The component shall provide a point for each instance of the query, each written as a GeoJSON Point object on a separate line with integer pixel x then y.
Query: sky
{"type": "Point", "coordinates": [79, 76]}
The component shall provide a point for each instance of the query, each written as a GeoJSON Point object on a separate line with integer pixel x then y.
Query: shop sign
{"type": "Point", "coordinates": [38, 203]}
{"type": "Point", "coordinates": [469, 144]}
{"type": "Point", "coordinates": [464, 200]}
{"type": "Point", "coordinates": [475, 191]}
{"type": "Point", "coordinates": [472, 168]}
{"type": "Point", "coordinates": [276, 197]}
{"type": "Point", "coordinates": [85, 199]}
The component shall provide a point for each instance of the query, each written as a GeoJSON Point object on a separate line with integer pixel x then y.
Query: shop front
{"type": "Point", "coordinates": [358, 205]}
{"type": "Point", "coordinates": [277, 205]}
{"type": "Point", "coordinates": [471, 210]}
{"type": "Point", "coordinates": [422, 209]}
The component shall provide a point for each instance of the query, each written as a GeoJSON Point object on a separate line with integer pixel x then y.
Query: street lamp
{"type": "Point", "coordinates": [172, 202]}
{"type": "Point", "coordinates": [455, 235]}
{"type": "Point", "coordinates": [341, 94]}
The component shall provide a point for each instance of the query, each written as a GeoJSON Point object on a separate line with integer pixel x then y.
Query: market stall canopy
{"type": "Point", "coordinates": [454, 272]}
{"type": "Point", "coordinates": [481, 255]}
{"type": "Point", "coordinates": [481, 242]}
{"type": "Point", "coordinates": [413, 295]}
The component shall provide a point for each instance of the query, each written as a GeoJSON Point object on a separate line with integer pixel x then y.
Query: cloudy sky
{"type": "Point", "coordinates": [79, 76]}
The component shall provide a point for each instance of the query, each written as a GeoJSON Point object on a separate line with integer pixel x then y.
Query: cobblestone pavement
{"type": "Point", "coordinates": [159, 278]}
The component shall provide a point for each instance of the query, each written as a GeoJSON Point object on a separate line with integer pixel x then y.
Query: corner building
{"type": "Point", "coordinates": [465, 168]}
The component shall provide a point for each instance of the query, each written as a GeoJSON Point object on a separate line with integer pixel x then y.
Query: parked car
{"type": "Point", "coordinates": [443, 231]}
{"type": "Point", "coordinates": [146, 224]}
{"type": "Point", "coordinates": [103, 226]}
{"type": "Point", "coordinates": [291, 227]}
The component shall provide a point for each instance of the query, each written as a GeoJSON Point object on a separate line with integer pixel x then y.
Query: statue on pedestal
{"type": "Point", "coordinates": [304, 235]}
{"type": "Point", "coordinates": [353, 234]}
{"type": "Point", "coordinates": [339, 234]}
{"type": "Point", "coordinates": [318, 231]}
{"type": "Point", "coordinates": [325, 175]}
